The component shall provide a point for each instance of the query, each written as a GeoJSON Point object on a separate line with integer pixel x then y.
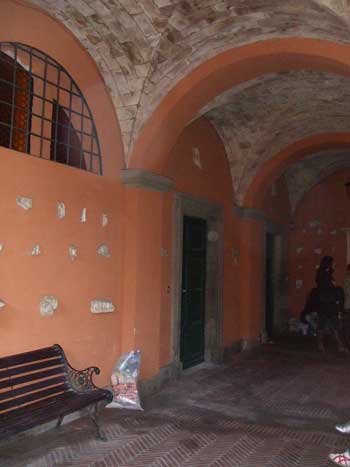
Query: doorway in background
{"type": "Point", "coordinates": [192, 338]}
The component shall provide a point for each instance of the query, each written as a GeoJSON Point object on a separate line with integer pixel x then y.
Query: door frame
{"type": "Point", "coordinates": [185, 205]}
{"type": "Point", "coordinates": [280, 267]}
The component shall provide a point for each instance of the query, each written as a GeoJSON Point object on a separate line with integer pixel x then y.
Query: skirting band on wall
{"type": "Point", "coordinates": [138, 178]}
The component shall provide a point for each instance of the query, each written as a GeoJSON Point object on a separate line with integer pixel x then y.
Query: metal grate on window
{"type": "Point", "coordinates": [42, 110]}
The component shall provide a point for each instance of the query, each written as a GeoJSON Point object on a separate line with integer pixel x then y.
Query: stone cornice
{"type": "Point", "coordinates": [138, 178]}
{"type": "Point", "coordinates": [249, 213]}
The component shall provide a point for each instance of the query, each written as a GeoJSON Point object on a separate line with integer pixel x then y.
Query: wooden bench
{"type": "Point", "coordinates": [40, 386]}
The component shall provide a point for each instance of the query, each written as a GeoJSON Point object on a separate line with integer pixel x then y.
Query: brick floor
{"type": "Point", "coordinates": [273, 408]}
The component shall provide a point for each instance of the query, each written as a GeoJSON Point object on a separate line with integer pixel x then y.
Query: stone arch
{"type": "Point", "coordinates": [21, 22]}
{"type": "Point", "coordinates": [222, 72]}
{"type": "Point", "coordinates": [325, 173]}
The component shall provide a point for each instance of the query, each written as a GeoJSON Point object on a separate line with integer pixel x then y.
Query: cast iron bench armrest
{"type": "Point", "coordinates": [81, 380]}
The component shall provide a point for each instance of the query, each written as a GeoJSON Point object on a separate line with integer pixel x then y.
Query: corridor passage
{"type": "Point", "coordinates": [273, 408]}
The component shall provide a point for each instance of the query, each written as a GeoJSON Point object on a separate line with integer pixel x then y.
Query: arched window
{"type": "Point", "coordinates": [42, 110]}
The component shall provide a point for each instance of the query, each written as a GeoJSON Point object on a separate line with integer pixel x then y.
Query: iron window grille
{"type": "Point", "coordinates": [42, 110]}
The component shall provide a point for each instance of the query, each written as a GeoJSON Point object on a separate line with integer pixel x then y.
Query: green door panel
{"type": "Point", "coordinates": [193, 291]}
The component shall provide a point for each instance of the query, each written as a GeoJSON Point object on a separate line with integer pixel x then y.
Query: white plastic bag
{"type": "Point", "coordinates": [124, 382]}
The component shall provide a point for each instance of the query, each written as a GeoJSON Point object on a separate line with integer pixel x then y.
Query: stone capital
{"type": "Point", "coordinates": [249, 213]}
{"type": "Point", "coordinates": [138, 178]}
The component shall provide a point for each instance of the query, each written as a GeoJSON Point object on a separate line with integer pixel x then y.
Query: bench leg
{"type": "Point", "coordinates": [59, 421]}
{"type": "Point", "coordinates": [94, 419]}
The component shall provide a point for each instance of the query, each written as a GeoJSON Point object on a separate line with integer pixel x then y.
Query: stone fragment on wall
{"type": "Point", "coordinates": [24, 202]}
{"type": "Point", "coordinates": [48, 305]}
{"type": "Point", "coordinates": [104, 220]}
{"type": "Point", "coordinates": [36, 250]}
{"type": "Point", "coordinates": [103, 250]}
{"type": "Point", "coordinates": [72, 252]}
{"type": "Point", "coordinates": [61, 210]}
{"type": "Point", "coordinates": [100, 305]}
{"type": "Point", "coordinates": [83, 216]}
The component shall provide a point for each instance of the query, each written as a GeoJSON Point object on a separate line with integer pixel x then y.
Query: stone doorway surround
{"type": "Point", "coordinates": [213, 213]}
{"type": "Point", "coordinates": [186, 205]}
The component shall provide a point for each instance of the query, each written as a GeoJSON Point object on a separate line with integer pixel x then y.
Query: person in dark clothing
{"type": "Point", "coordinates": [324, 276]}
{"type": "Point", "coordinates": [328, 300]}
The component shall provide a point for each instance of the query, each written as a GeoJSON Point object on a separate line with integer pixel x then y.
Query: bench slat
{"type": "Point", "coordinates": [50, 409]}
{"type": "Point", "coordinates": [33, 387]}
{"type": "Point", "coordinates": [17, 370]}
{"type": "Point", "coordinates": [44, 405]}
{"type": "Point", "coordinates": [32, 397]}
{"type": "Point", "coordinates": [27, 357]}
{"type": "Point", "coordinates": [32, 377]}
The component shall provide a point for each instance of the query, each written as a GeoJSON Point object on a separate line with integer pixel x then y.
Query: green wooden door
{"type": "Point", "coordinates": [193, 291]}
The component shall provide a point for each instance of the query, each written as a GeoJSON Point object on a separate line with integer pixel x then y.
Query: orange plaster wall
{"type": "Point", "coordinates": [143, 277]}
{"type": "Point", "coordinates": [213, 183]}
{"type": "Point", "coordinates": [327, 203]}
{"type": "Point", "coordinates": [250, 277]}
{"type": "Point", "coordinates": [88, 339]}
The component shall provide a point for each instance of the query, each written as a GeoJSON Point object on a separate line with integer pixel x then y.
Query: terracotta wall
{"type": "Point", "coordinates": [24, 279]}
{"type": "Point", "coordinates": [319, 218]}
{"type": "Point", "coordinates": [88, 339]}
{"type": "Point", "coordinates": [211, 181]}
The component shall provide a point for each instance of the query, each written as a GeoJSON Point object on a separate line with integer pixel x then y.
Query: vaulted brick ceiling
{"type": "Point", "coordinates": [260, 118]}
{"type": "Point", "coordinates": [144, 47]}
{"type": "Point", "coordinates": [302, 176]}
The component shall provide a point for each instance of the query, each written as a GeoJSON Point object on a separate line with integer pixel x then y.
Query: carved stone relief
{"type": "Point", "coordinates": [61, 210]}
{"type": "Point", "coordinates": [99, 305]}
{"type": "Point", "coordinates": [72, 252]}
{"type": "Point", "coordinates": [48, 305]}
{"type": "Point", "coordinates": [36, 251]}
{"type": "Point", "coordinates": [104, 220]}
{"type": "Point", "coordinates": [103, 250]}
{"type": "Point", "coordinates": [24, 202]}
{"type": "Point", "coordinates": [83, 216]}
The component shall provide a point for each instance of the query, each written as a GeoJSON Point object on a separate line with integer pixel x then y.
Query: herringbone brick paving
{"type": "Point", "coordinates": [273, 408]}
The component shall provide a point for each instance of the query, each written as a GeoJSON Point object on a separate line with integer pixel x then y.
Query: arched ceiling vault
{"type": "Point", "coordinates": [307, 173]}
{"type": "Point", "coordinates": [144, 47]}
{"type": "Point", "coordinates": [259, 118]}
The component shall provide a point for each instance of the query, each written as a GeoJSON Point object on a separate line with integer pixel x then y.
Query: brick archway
{"type": "Point", "coordinates": [275, 166]}
{"type": "Point", "coordinates": [223, 72]}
